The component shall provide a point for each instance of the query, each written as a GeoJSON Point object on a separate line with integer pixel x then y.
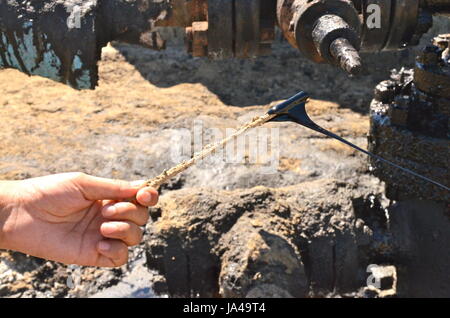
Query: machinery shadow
{"type": "Point", "coordinates": [260, 81]}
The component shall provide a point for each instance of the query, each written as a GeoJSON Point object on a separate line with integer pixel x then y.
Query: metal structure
{"type": "Point", "coordinates": [62, 40]}
{"type": "Point", "coordinates": [410, 118]}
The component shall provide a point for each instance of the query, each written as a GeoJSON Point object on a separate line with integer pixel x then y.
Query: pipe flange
{"type": "Point", "coordinates": [328, 29]}
{"type": "Point", "coordinates": [285, 14]}
{"type": "Point", "coordinates": [309, 13]}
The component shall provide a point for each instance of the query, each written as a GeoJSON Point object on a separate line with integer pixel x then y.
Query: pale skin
{"type": "Point", "coordinates": [74, 218]}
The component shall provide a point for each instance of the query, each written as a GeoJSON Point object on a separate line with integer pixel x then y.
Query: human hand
{"type": "Point", "coordinates": [74, 218]}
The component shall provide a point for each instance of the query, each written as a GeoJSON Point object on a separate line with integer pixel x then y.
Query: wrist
{"type": "Point", "coordinates": [8, 203]}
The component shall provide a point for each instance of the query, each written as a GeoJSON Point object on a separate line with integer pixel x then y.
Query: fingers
{"type": "Point", "coordinates": [94, 188]}
{"type": "Point", "coordinates": [147, 196]}
{"type": "Point", "coordinates": [113, 253]}
{"type": "Point", "coordinates": [128, 232]}
{"type": "Point", "coordinates": [126, 211]}
{"type": "Point", "coordinates": [121, 232]}
{"type": "Point", "coordinates": [126, 217]}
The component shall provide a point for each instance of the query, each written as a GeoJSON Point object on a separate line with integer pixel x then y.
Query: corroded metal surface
{"type": "Point", "coordinates": [432, 71]}
{"type": "Point", "coordinates": [46, 40]}
{"type": "Point", "coordinates": [346, 56]}
{"type": "Point", "coordinates": [220, 32]}
{"type": "Point", "coordinates": [404, 21]}
{"type": "Point", "coordinates": [62, 40]}
{"type": "Point", "coordinates": [197, 39]}
{"type": "Point", "coordinates": [312, 26]}
{"type": "Point", "coordinates": [248, 28]}
{"type": "Point", "coordinates": [379, 25]}
{"type": "Point", "coordinates": [410, 126]}
{"type": "Point", "coordinates": [236, 28]}
{"type": "Point", "coordinates": [374, 39]}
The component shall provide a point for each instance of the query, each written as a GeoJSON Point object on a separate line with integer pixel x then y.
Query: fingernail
{"type": "Point", "coordinates": [138, 183]}
{"type": "Point", "coordinates": [109, 228]}
{"type": "Point", "coordinates": [146, 197]}
{"type": "Point", "coordinates": [110, 211]}
{"type": "Point", "coordinates": [104, 246]}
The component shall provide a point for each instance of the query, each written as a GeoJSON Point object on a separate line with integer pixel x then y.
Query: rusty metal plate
{"type": "Point", "coordinates": [48, 44]}
{"type": "Point", "coordinates": [374, 38]}
{"type": "Point", "coordinates": [247, 21]}
{"type": "Point", "coordinates": [268, 20]}
{"type": "Point", "coordinates": [220, 31]}
{"type": "Point", "coordinates": [404, 22]}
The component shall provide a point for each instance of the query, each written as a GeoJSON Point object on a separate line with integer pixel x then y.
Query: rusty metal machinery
{"type": "Point", "coordinates": [242, 29]}
{"type": "Point", "coordinates": [410, 120]}
{"type": "Point", "coordinates": [62, 39]}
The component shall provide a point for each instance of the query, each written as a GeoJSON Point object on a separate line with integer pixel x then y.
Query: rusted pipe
{"type": "Point", "coordinates": [312, 26]}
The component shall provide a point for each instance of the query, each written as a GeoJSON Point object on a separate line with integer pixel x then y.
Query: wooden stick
{"type": "Point", "coordinates": [207, 150]}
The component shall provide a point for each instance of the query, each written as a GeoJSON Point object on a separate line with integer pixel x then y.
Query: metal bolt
{"type": "Point", "coordinates": [346, 56]}
{"type": "Point", "coordinates": [337, 43]}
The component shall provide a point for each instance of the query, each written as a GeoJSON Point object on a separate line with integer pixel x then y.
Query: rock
{"type": "Point", "coordinates": [420, 233]}
{"type": "Point", "coordinates": [294, 241]}
{"type": "Point", "coordinates": [26, 276]}
{"type": "Point", "coordinates": [260, 259]}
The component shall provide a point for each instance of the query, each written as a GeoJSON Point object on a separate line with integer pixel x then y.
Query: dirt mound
{"type": "Point", "coordinates": [307, 239]}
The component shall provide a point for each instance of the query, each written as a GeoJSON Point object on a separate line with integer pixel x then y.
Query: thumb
{"type": "Point", "coordinates": [95, 188]}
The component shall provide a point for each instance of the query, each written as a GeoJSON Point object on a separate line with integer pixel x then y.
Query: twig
{"type": "Point", "coordinates": [207, 150]}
